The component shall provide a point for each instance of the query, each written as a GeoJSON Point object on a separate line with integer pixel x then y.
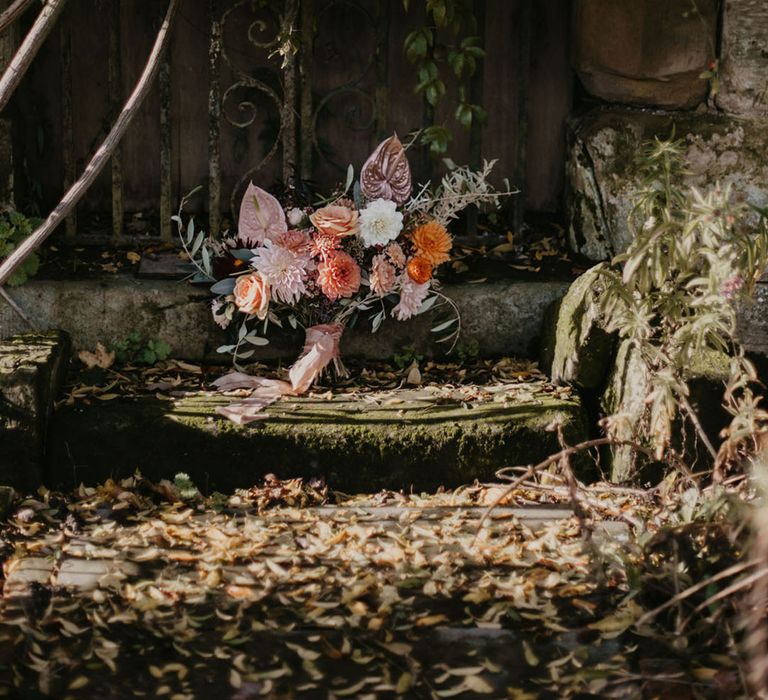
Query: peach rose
{"type": "Point", "coordinates": [252, 295]}
{"type": "Point", "coordinates": [335, 220]}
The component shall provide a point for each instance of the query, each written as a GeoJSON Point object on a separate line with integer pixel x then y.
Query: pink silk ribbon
{"type": "Point", "coordinates": [321, 347]}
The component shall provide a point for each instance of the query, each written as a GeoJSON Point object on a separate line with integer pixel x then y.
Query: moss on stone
{"type": "Point", "coordinates": [581, 350]}
{"type": "Point", "coordinates": [354, 445]}
{"type": "Point", "coordinates": [31, 369]}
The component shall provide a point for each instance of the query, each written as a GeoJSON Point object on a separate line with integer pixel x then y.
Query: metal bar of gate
{"type": "Point", "coordinates": [214, 118]}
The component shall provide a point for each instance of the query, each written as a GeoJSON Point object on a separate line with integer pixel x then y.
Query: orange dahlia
{"type": "Point", "coordinates": [432, 242]}
{"type": "Point", "coordinates": [419, 270]}
{"type": "Point", "coordinates": [338, 276]}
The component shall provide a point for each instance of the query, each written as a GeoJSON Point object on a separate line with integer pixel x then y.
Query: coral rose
{"type": "Point", "coordinates": [252, 295]}
{"type": "Point", "coordinates": [432, 242]}
{"type": "Point", "coordinates": [419, 270]}
{"type": "Point", "coordinates": [338, 276]}
{"type": "Point", "coordinates": [335, 220]}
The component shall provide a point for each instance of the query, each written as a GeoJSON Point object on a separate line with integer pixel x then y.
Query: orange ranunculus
{"type": "Point", "coordinates": [335, 220]}
{"type": "Point", "coordinates": [252, 295]}
{"type": "Point", "coordinates": [432, 242]}
{"type": "Point", "coordinates": [419, 270]}
{"type": "Point", "coordinates": [338, 276]}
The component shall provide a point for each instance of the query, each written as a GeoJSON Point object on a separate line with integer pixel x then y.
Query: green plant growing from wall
{"type": "Point", "coordinates": [425, 50]}
{"type": "Point", "coordinates": [674, 295]}
{"type": "Point", "coordinates": [14, 228]}
{"type": "Point", "coordinates": [135, 350]}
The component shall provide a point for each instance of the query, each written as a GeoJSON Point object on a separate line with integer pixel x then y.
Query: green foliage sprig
{"type": "Point", "coordinates": [134, 350]}
{"type": "Point", "coordinates": [14, 228]}
{"type": "Point", "coordinates": [428, 54]}
{"type": "Point", "coordinates": [675, 292]}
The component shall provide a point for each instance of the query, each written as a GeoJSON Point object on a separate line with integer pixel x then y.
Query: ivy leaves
{"type": "Point", "coordinates": [14, 228]}
{"type": "Point", "coordinates": [424, 50]}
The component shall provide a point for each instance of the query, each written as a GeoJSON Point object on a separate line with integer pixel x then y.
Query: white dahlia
{"type": "Point", "coordinates": [284, 270]}
{"type": "Point", "coordinates": [380, 223]}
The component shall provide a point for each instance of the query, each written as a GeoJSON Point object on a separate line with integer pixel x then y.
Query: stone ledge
{"type": "Point", "coordinates": [403, 439]}
{"type": "Point", "coordinates": [499, 318]}
{"type": "Point", "coordinates": [602, 174]}
{"type": "Point", "coordinates": [32, 368]}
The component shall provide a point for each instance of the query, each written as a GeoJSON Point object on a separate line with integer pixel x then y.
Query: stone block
{"type": "Point", "coordinates": [625, 395]}
{"type": "Point", "coordinates": [7, 494]}
{"type": "Point", "coordinates": [744, 70]}
{"type": "Point", "coordinates": [577, 350]}
{"type": "Point", "coordinates": [502, 317]}
{"type": "Point", "coordinates": [402, 438]}
{"type": "Point", "coordinates": [602, 171]}
{"type": "Point", "coordinates": [32, 367]}
{"type": "Point", "coordinates": [646, 52]}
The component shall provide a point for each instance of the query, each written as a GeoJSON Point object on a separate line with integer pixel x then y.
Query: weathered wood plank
{"type": "Point", "coordinates": [164, 82]}
{"type": "Point", "coordinates": [67, 124]}
{"type": "Point", "coordinates": [115, 83]}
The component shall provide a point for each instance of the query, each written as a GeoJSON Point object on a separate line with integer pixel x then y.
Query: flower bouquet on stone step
{"type": "Point", "coordinates": [370, 250]}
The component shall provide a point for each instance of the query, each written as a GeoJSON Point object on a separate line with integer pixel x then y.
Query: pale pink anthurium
{"type": "Point", "coordinates": [261, 217]}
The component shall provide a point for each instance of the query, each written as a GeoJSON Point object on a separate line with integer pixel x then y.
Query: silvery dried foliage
{"type": "Point", "coordinates": [459, 188]}
{"type": "Point", "coordinates": [675, 293]}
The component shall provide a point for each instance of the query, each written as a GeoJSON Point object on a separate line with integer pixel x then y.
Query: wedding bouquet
{"type": "Point", "coordinates": [371, 251]}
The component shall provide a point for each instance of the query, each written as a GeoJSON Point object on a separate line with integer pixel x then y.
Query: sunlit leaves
{"type": "Point", "coordinates": [674, 292]}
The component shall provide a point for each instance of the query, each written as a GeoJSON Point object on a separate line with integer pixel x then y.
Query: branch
{"type": "Point", "coordinates": [11, 14]}
{"type": "Point", "coordinates": [28, 49]}
{"type": "Point", "coordinates": [12, 303]}
{"type": "Point", "coordinates": [102, 155]}
{"type": "Point", "coordinates": [698, 426]}
{"type": "Point", "coordinates": [531, 470]}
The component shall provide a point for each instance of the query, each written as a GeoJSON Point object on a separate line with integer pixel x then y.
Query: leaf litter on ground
{"type": "Point", "coordinates": [290, 589]}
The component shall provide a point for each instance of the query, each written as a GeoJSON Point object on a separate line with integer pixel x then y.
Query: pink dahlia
{"type": "Point", "coordinates": [284, 270]}
{"type": "Point", "coordinates": [296, 241]}
{"type": "Point", "coordinates": [338, 276]}
{"type": "Point", "coordinates": [412, 296]}
{"type": "Point", "coordinates": [324, 245]}
{"type": "Point", "coordinates": [396, 254]}
{"type": "Point", "coordinates": [383, 275]}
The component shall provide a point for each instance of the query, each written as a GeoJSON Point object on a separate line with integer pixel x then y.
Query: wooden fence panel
{"type": "Point", "coordinates": [230, 107]}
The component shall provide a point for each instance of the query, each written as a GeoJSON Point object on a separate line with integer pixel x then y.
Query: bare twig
{"type": "Point", "coordinates": [11, 14]}
{"type": "Point", "coordinates": [531, 470]}
{"type": "Point", "coordinates": [28, 49]}
{"type": "Point", "coordinates": [102, 155]}
{"type": "Point", "coordinates": [19, 311]}
{"type": "Point", "coordinates": [699, 427]}
{"type": "Point", "coordinates": [691, 590]}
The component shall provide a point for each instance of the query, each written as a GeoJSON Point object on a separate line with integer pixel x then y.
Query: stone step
{"type": "Point", "coordinates": [335, 601]}
{"type": "Point", "coordinates": [419, 438]}
{"type": "Point", "coordinates": [501, 317]}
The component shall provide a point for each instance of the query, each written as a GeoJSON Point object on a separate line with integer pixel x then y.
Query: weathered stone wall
{"type": "Point", "coordinates": [602, 168]}
{"type": "Point", "coordinates": [498, 318]}
{"type": "Point", "coordinates": [647, 52]}
{"type": "Point", "coordinates": [744, 79]}
{"type": "Point", "coordinates": [32, 367]}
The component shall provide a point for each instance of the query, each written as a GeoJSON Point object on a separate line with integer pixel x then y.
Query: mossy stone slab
{"type": "Point", "coordinates": [31, 370]}
{"type": "Point", "coordinates": [576, 349]}
{"type": "Point", "coordinates": [403, 438]}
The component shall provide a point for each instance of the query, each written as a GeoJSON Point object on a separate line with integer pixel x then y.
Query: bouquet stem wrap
{"type": "Point", "coordinates": [321, 347]}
